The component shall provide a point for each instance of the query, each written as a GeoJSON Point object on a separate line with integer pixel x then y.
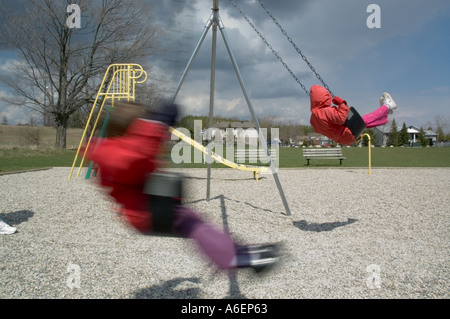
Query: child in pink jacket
{"type": "Point", "coordinates": [333, 121]}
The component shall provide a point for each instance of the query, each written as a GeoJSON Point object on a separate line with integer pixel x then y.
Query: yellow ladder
{"type": "Point", "coordinates": [118, 83]}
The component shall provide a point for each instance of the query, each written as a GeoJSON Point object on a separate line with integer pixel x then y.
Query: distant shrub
{"type": "Point", "coordinates": [32, 135]}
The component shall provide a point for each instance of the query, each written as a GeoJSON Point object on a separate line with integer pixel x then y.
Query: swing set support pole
{"type": "Point", "coordinates": [216, 22]}
{"type": "Point", "coordinates": [255, 119]}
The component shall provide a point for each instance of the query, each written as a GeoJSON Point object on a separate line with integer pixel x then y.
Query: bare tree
{"type": "Point", "coordinates": [442, 126]}
{"type": "Point", "coordinates": [289, 131]}
{"type": "Point", "coordinates": [4, 119]}
{"type": "Point", "coordinates": [59, 66]}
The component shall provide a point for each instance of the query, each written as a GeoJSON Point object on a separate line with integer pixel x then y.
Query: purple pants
{"type": "Point", "coordinates": [214, 243]}
{"type": "Point", "coordinates": [376, 118]}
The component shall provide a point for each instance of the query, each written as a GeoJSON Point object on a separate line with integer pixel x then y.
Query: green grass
{"type": "Point", "coordinates": [398, 157]}
{"type": "Point", "coordinates": [359, 157]}
{"type": "Point", "coordinates": [18, 159]}
{"type": "Point", "coordinates": [16, 154]}
{"type": "Point", "coordinates": [381, 157]}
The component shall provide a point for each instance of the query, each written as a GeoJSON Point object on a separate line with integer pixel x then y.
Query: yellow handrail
{"type": "Point", "coordinates": [370, 152]}
{"type": "Point", "coordinates": [122, 78]}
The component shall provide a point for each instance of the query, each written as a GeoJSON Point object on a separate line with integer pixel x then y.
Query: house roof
{"type": "Point", "coordinates": [317, 136]}
{"type": "Point", "coordinates": [385, 129]}
{"type": "Point", "coordinates": [412, 129]}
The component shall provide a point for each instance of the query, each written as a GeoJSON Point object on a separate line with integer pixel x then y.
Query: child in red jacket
{"type": "Point", "coordinates": [128, 157]}
{"type": "Point", "coordinates": [333, 121]}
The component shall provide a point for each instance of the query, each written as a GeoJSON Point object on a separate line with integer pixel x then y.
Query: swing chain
{"type": "Point", "coordinates": [295, 46]}
{"type": "Point", "coordinates": [269, 46]}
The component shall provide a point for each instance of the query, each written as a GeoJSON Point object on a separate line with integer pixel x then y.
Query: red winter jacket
{"type": "Point", "coordinates": [124, 164]}
{"type": "Point", "coordinates": [329, 120]}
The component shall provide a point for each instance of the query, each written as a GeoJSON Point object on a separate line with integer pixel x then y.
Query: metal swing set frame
{"type": "Point", "coordinates": [216, 24]}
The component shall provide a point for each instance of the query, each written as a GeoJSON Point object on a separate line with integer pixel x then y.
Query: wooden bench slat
{"type": "Point", "coordinates": [323, 153]}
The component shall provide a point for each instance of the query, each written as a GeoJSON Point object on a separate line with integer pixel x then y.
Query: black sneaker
{"type": "Point", "coordinates": [258, 248]}
{"type": "Point", "coordinates": [258, 257]}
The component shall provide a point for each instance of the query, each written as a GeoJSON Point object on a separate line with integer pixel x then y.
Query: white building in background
{"type": "Point", "coordinates": [431, 136]}
{"type": "Point", "coordinates": [382, 135]}
{"type": "Point", "coordinates": [413, 132]}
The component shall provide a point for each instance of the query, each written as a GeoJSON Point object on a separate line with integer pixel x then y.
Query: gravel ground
{"type": "Point", "coordinates": [350, 235]}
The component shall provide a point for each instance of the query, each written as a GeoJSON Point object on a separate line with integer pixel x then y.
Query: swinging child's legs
{"type": "Point", "coordinates": [380, 116]}
{"type": "Point", "coordinates": [218, 245]}
{"type": "Point", "coordinates": [376, 118]}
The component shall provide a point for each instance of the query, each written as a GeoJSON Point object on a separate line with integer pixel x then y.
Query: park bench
{"type": "Point", "coordinates": [323, 153]}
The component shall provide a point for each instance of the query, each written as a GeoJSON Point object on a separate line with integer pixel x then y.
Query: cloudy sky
{"type": "Point", "coordinates": [407, 56]}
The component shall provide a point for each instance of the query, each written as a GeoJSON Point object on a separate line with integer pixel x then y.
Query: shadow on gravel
{"type": "Point", "coordinates": [178, 288]}
{"type": "Point", "coordinates": [182, 288]}
{"type": "Point", "coordinates": [18, 217]}
{"type": "Point", "coordinates": [223, 199]}
{"type": "Point", "coordinates": [316, 227]}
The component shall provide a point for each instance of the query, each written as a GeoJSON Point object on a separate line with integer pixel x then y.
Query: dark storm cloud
{"type": "Point", "coordinates": [9, 7]}
{"type": "Point", "coordinates": [332, 34]}
{"type": "Point", "coordinates": [288, 9]}
{"type": "Point", "coordinates": [355, 61]}
{"type": "Point", "coordinates": [184, 25]}
{"type": "Point", "coordinates": [13, 5]}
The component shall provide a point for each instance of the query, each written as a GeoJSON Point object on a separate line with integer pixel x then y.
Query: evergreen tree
{"type": "Point", "coordinates": [393, 134]}
{"type": "Point", "coordinates": [403, 136]}
{"type": "Point", "coordinates": [421, 137]}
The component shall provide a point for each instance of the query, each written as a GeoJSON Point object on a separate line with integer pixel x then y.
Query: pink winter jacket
{"type": "Point", "coordinates": [329, 120]}
{"type": "Point", "coordinates": [125, 162]}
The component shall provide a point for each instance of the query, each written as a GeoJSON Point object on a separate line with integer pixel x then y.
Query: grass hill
{"type": "Point", "coordinates": [42, 136]}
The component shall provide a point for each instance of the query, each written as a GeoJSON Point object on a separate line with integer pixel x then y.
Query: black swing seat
{"type": "Point", "coordinates": [166, 191]}
{"type": "Point", "coordinates": [355, 122]}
